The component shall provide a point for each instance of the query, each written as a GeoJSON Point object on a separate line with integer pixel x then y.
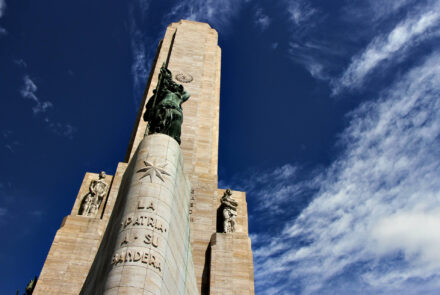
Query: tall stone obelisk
{"type": "Point", "coordinates": [160, 224]}
{"type": "Point", "coordinates": [149, 239]}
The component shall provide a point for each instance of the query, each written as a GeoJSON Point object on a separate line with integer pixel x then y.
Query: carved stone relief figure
{"type": "Point", "coordinates": [91, 202]}
{"type": "Point", "coordinates": [229, 211]}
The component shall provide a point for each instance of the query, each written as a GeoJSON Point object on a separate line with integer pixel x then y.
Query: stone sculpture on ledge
{"type": "Point", "coordinates": [229, 211]}
{"type": "Point", "coordinates": [164, 109]}
{"type": "Point", "coordinates": [91, 202]}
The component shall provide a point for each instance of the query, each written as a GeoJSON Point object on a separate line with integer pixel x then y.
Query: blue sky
{"type": "Point", "coordinates": [330, 120]}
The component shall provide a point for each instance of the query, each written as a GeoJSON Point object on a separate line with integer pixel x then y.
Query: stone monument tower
{"type": "Point", "coordinates": [161, 225]}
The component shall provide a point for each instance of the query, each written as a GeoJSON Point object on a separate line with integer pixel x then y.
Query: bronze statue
{"type": "Point", "coordinates": [164, 109]}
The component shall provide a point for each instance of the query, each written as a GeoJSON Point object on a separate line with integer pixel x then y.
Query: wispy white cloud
{"type": "Point", "coordinates": [40, 109]}
{"type": "Point", "coordinates": [217, 13]}
{"type": "Point", "coordinates": [323, 55]}
{"type": "Point", "coordinates": [414, 233]}
{"type": "Point", "coordinates": [314, 56]}
{"type": "Point", "coordinates": [63, 129]}
{"type": "Point", "coordinates": [307, 47]}
{"type": "Point", "coordinates": [377, 207]}
{"type": "Point", "coordinates": [20, 62]}
{"type": "Point", "coordinates": [2, 12]}
{"type": "Point", "coordinates": [10, 143]}
{"type": "Point", "coordinates": [37, 213]}
{"type": "Point", "coordinates": [28, 91]}
{"type": "Point", "coordinates": [2, 7]}
{"type": "Point", "coordinates": [261, 19]}
{"type": "Point", "coordinates": [141, 57]}
{"type": "Point", "coordinates": [143, 5]}
{"type": "Point", "coordinates": [372, 11]}
{"type": "Point", "coordinates": [387, 47]}
{"type": "Point", "coordinates": [273, 190]}
{"type": "Point", "coordinates": [300, 11]}
{"type": "Point", "coordinates": [139, 64]}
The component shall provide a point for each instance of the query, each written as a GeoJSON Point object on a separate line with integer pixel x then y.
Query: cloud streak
{"type": "Point", "coordinates": [2, 7]}
{"type": "Point", "coordinates": [41, 108]}
{"type": "Point", "coordinates": [372, 226]}
{"type": "Point", "coordinates": [307, 47]}
{"type": "Point", "coordinates": [324, 56]}
{"type": "Point", "coordinates": [387, 47]}
{"type": "Point", "coordinates": [141, 57]}
{"type": "Point", "coordinates": [217, 13]}
{"type": "Point", "coordinates": [9, 142]}
{"type": "Point", "coordinates": [28, 91]}
{"type": "Point", "coordinates": [300, 11]}
{"type": "Point", "coordinates": [139, 63]}
{"type": "Point", "coordinates": [2, 13]}
{"type": "Point", "coordinates": [261, 20]}
{"type": "Point", "coordinates": [378, 10]}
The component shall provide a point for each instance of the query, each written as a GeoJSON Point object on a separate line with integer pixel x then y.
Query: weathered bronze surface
{"type": "Point", "coordinates": [164, 109]}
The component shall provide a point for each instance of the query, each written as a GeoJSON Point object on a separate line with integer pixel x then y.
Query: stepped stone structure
{"type": "Point", "coordinates": [160, 224]}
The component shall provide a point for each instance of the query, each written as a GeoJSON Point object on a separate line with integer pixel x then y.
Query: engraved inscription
{"type": "Point", "coordinates": [148, 239]}
{"type": "Point", "coordinates": [151, 239]}
{"type": "Point", "coordinates": [139, 256]}
{"type": "Point", "coordinates": [192, 201]}
{"type": "Point", "coordinates": [143, 204]}
{"type": "Point", "coordinates": [125, 241]}
{"type": "Point", "coordinates": [144, 221]}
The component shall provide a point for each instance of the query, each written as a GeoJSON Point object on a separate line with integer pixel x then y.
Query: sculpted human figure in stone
{"type": "Point", "coordinates": [229, 211]}
{"type": "Point", "coordinates": [91, 202]}
{"type": "Point", "coordinates": [164, 109]}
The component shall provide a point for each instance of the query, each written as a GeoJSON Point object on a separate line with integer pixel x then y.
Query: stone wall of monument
{"type": "Point", "coordinates": [195, 59]}
{"type": "Point", "coordinates": [77, 241]}
{"type": "Point", "coordinates": [147, 250]}
{"type": "Point", "coordinates": [231, 263]}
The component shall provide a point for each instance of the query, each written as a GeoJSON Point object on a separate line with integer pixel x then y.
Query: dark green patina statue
{"type": "Point", "coordinates": [164, 109]}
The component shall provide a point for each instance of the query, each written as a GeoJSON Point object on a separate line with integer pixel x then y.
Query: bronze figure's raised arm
{"type": "Point", "coordinates": [164, 109]}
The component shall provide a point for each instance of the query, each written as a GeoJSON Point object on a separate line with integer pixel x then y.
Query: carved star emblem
{"type": "Point", "coordinates": [153, 170]}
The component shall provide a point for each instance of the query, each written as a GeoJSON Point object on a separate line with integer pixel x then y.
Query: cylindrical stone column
{"type": "Point", "coordinates": [152, 254]}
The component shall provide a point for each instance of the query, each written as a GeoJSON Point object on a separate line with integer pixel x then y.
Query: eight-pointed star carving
{"type": "Point", "coordinates": [152, 170]}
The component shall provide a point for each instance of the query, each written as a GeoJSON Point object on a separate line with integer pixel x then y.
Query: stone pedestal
{"type": "Point", "coordinates": [232, 270]}
{"type": "Point", "coordinates": [149, 249]}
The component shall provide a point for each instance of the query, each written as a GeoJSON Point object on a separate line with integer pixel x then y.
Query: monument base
{"type": "Point", "coordinates": [231, 264]}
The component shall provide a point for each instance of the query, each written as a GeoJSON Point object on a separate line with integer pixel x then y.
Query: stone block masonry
{"type": "Point", "coordinates": [147, 249]}
{"type": "Point", "coordinates": [149, 231]}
